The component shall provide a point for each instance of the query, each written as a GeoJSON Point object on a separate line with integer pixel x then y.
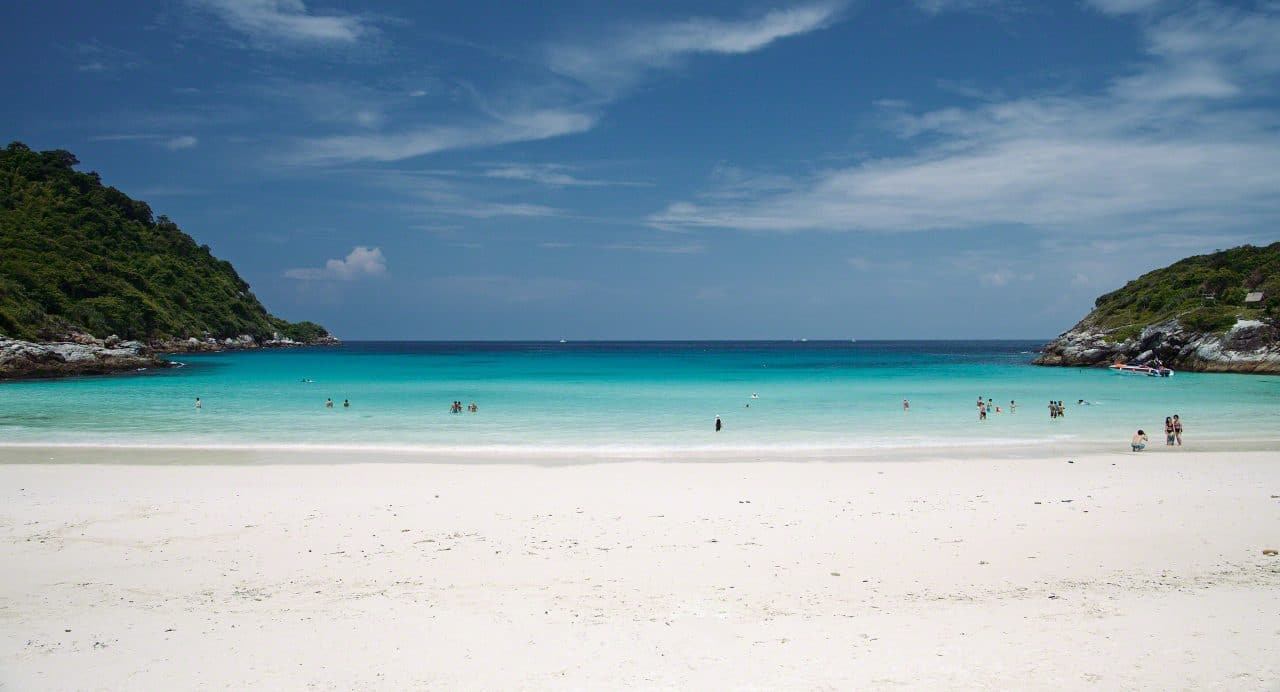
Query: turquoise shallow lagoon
{"type": "Point", "coordinates": [629, 397]}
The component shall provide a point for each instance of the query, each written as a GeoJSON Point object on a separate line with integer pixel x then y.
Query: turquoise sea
{"type": "Point", "coordinates": [625, 398]}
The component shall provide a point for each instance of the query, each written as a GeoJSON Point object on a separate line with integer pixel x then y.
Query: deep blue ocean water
{"type": "Point", "coordinates": [629, 397]}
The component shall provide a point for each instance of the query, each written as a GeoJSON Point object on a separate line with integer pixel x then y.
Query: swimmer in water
{"type": "Point", "coordinates": [328, 403]}
{"type": "Point", "coordinates": [197, 403]}
{"type": "Point", "coordinates": [718, 424]}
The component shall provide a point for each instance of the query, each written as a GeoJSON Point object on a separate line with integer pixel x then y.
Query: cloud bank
{"type": "Point", "coordinates": [1175, 143]}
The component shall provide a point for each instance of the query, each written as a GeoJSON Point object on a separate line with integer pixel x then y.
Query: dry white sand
{"type": "Point", "coordinates": [1117, 571]}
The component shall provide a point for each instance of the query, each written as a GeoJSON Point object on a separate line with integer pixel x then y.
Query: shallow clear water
{"type": "Point", "coordinates": [623, 397]}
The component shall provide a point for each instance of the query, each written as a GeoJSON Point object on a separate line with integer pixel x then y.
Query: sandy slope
{"type": "Point", "coordinates": [946, 573]}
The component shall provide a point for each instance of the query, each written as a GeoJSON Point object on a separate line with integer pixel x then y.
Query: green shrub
{"type": "Point", "coordinates": [1207, 319]}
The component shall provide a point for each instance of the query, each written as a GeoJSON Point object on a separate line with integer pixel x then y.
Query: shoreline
{"type": "Point", "coordinates": [39, 452]}
{"type": "Point", "coordinates": [1118, 572]}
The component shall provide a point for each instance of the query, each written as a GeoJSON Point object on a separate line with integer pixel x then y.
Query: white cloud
{"type": "Point", "coordinates": [360, 262]}
{"type": "Point", "coordinates": [615, 63]}
{"type": "Point", "coordinates": [518, 127]}
{"type": "Point", "coordinates": [183, 142]}
{"type": "Point", "coordinates": [287, 20]}
{"type": "Point", "coordinates": [476, 209]}
{"type": "Point", "coordinates": [549, 174]}
{"type": "Point", "coordinates": [607, 68]}
{"type": "Point", "coordinates": [1123, 6]}
{"type": "Point", "coordinates": [447, 197]}
{"type": "Point", "coordinates": [659, 248]}
{"type": "Point", "coordinates": [940, 6]}
{"type": "Point", "coordinates": [1177, 143]}
{"type": "Point", "coordinates": [170, 142]}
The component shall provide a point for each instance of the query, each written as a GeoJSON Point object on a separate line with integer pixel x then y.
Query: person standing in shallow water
{"type": "Point", "coordinates": [198, 403]}
{"type": "Point", "coordinates": [906, 405]}
{"type": "Point", "coordinates": [718, 424]}
{"type": "Point", "coordinates": [1177, 429]}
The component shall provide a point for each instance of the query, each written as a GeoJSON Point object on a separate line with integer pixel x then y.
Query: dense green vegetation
{"type": "Point", "coordinates": [1206, 293]}
{"type": "Point", "coordinates": [77, 253]}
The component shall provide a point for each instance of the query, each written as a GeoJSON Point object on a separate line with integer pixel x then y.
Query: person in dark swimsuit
{"type": "Point", "coordinates": [1168, 431]}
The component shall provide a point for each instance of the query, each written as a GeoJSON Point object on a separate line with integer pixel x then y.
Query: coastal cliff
{"type": "Point", "coordinates": [92, 282]}
{"type": "Point", "coordinates": [1209, 313]}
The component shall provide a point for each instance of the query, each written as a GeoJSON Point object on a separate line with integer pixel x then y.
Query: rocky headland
{"type": "Point", "coordinates": [1249, 346]}
{"type": "Point", "coordinates": [93, 282]}
{"type": "Point", "coordinates": [1210, 313]}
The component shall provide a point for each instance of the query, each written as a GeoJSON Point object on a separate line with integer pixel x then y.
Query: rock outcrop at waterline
{"type": "Point", "coordinates": [78, 353]}
{"type": "Point", "coordinates": [1250, 346]}
{"type": "Point", "coordinates": [59, 359]}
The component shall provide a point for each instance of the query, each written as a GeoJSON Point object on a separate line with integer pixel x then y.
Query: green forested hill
{"type": "Point", "coordinates": [1206, 293]}
{"type": "Point", "coordinates": [77, 253]}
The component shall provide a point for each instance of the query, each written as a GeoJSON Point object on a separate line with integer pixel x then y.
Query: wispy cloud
{"type": "Point", "coordinates": [940, 6]}
{"type": "Point", "coordinates": [1124, 6]}
{"type": "Point", "coordinates": [516, 127]}
{"type": "Point", "coordinates": [1174, 143]}
{"type": "Point", "coordinates": [509, 289]}
{"type": "Point", "coordinates": [551, 174]}
{"type": "Point", "coordinates": [97, 57]}
{"type": "Point", "coordinates": [553, 107]}
{"type": "Point", "coordinates": [659, 248]}
{"type": "Point", "coordinates": [183, 142]}
{"type": "Point", "coordinates": [615, 62]}
{"type": "Point", "coordinates": [170, 142]}
{"type": "Point", "coordinates": [286, 20]}
{"type": "Point", "coordinates": [359, 263]}
{"type": "Point", "coordinates": [432, 197]}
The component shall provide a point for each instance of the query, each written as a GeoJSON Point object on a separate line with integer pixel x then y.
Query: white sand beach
{"type": "Point", "coordinates": [1117, 571]}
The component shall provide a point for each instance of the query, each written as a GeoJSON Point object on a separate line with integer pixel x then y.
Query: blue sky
{"type": "Point", "coordinates": [630, 170]}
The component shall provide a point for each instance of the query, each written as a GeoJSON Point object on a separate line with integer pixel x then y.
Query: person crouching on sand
{"type": "Point", "coordinates": [1139, 441]}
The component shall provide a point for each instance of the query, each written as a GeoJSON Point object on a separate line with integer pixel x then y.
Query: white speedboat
{"type": "Point", "coordinates": [1148, 370]}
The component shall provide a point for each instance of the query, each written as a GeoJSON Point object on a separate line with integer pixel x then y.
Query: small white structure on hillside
{"type": "Point", "coordinates": [1254, 298]}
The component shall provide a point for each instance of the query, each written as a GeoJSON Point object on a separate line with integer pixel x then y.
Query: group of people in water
{"type": "Point", "coordinates": [456, 407]}
{"type": "Point", "coordinates": [984, 407]}
{"type": "Point", "coordinates": [346, 403]}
